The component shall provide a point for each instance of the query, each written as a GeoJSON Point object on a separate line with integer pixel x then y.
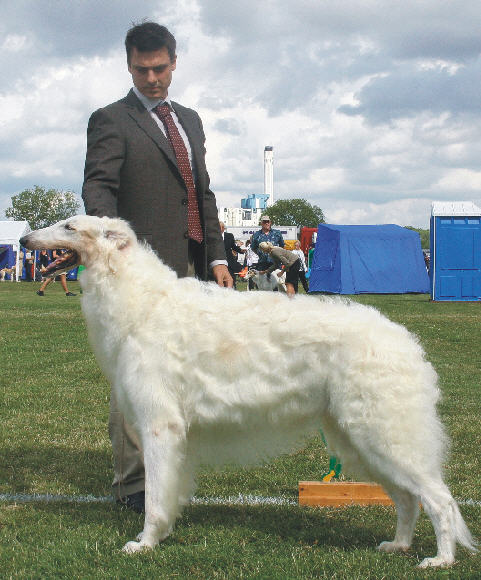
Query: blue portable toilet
{"type": "Point", "coordinates": [455, 272]}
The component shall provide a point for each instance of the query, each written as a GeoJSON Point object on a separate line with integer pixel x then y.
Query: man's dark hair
{"type": "Point", "coordinates": [149, 36]}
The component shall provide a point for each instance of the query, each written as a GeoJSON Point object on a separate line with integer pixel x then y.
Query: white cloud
{"type": "Point", "coordinates": [407, 212]}
{"type": "Point", "coordinates": [14, 43]}
{"type": "Point", "coordinates": [372, 108]}
{"type": "Point", "coordinates": [460, 180]}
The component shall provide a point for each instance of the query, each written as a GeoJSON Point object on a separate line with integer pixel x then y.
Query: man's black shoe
{"type": "Point", "coordinates": [134, 501]}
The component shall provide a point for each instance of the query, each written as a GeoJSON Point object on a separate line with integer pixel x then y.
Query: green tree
{"type": "Point", "coordinates": [295, 212]}
{"type": "Point", "coordinates": [41, 207]}
{"type": "Point", "coordinates": [423, 234]}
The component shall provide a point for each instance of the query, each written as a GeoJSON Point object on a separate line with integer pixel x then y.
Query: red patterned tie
{"type": "Point", "coordinates": [193, 217]}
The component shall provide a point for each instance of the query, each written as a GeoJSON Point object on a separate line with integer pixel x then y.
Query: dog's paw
{"type": "Point", "coordinates": [134, 547]}
{"type": "Point", "coordinates": [391, 547]}
{"type": "Point", "coordinates": [436, 562]}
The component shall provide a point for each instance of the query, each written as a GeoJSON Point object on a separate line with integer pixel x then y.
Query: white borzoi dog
{"type": "Point", "coordinates": [265, 282]}
{"type": "Point", "coordinates": [193, 373]}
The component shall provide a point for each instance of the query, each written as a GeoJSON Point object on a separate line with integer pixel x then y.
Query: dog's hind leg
{"type": "Point", "coordinates": [164, 452]}
{"type": "Point", "coordinates": [447, 521]}
{"type": "Point", "coordinates": [407, 488]}
{"type": "Point", "coordinates": [407, 510]}
{"type": "Point", "coordinates": [438, 505]}
{"type": "Point", "coordinates": [407, 504]}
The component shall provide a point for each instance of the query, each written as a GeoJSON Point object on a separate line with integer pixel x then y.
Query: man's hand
{"type": "Point", "coordinates": [222, 276]}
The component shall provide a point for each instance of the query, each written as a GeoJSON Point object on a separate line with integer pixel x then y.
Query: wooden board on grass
{"type": "Point", "coordinates": [340, 493]}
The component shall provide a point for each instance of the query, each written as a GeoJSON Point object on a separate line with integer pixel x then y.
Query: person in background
{"type": "Point", "coordinates": [29, 266]}
{"type": "Point", "coordinates": [62, 277]}
{"type": "Point", "coordinates": [250, 261]}
{"type": "Point", "coordinates": [303, 268]}
{"type": "Point", "coordinates": [231, 248]}
{"type": "Point", "coordinates": [251, 258]}
{"type": "Point", "coordinates": [43, 259]}
{"type": "Point", "coordinates": [266, 234]}
{"type": "Point", "coordinates": [145, 163]}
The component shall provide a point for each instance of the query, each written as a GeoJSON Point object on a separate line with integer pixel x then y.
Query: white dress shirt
{"type": "Point", "coordinates": [150, 104]}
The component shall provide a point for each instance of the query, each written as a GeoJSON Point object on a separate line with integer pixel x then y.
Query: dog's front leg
{"type": "Point", "coordinates": [164, 456]}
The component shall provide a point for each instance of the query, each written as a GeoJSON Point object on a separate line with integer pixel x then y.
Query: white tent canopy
{"type": "Point", "coordinates": [10, 234]}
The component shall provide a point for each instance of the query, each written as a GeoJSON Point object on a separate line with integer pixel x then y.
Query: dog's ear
{"type": "Point", "coordinates": [121, 239]}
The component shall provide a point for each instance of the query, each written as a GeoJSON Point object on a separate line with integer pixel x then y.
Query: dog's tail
{"type": "Point", "coordinates": [463, 535]}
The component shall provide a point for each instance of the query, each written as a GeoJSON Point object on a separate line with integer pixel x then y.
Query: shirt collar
{"type": "Point", "coordinates": [150, 104]}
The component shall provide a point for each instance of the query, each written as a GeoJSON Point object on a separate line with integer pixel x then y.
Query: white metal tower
{"type": "Point", "coordinates": [269, 173]}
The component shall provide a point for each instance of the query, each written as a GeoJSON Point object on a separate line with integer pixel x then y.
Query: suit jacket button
{"type": "Point", "coordinates": [186, 235]}
{"type": "Point", "coordinates": [185, 201]}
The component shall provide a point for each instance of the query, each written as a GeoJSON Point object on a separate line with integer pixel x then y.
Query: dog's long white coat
{"type": "Point", "coordinates": [210, 375]}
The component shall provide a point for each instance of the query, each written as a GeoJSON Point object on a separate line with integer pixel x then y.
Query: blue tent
{"type": "Point", "coordinates": [385, 259]}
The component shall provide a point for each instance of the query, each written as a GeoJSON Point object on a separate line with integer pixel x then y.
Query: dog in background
{"type": "Point", "coordinates": [10, 271]}
{"type": "Point", "coordinates": [192, 372]}
{"type": "Point", "coordinates": [267, 282]}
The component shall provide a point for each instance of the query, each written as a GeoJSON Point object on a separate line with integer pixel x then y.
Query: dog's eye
{"type": "Point", "coordinates": [69, 227]}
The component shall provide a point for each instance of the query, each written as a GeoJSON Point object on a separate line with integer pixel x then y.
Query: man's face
{"type": "Point", "coordinates": [266, 225]}
{"type": "Point", "coordinates": [152, 72]}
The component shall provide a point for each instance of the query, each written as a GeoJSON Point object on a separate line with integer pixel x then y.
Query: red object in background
{"type": "Point", "coordinates": [306, 239]}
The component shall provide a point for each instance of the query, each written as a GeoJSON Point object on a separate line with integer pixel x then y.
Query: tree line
{"type": "Point", "coordinates": [42, 207]}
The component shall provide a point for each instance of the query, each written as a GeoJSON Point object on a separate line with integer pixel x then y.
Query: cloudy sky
{"type": "Point", "coordinates": [372, 106]}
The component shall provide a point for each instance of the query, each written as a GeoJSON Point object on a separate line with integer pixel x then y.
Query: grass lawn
{"type": "Point", "coordinates": [53, 440]}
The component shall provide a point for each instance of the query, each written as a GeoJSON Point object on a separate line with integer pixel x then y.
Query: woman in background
{"type": "Point", "coordinates": [303, 269]}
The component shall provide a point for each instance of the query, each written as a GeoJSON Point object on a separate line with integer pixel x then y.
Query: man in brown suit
{"type": "Point", "coordinates": [132, 171]}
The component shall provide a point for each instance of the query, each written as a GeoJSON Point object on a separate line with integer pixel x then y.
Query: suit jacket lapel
{"type": "Point", "coordinates": [145, 122]}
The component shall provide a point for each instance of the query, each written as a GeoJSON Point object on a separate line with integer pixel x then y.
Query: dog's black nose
{"type": "Point", "coordinates": [23, 240]}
